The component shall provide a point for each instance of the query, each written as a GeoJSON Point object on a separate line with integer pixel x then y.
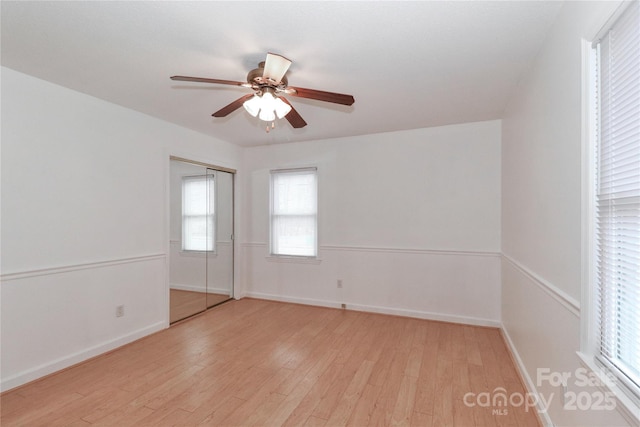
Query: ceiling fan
{"type": "Point", "coordinates": [270, 84]}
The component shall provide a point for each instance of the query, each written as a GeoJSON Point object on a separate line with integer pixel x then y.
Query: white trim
{"type": "Point", "coordinates": [292, 259]}
{"type": "Point", "coordinates": [253, 245]}
{"type": "Point", "coordinates": [621, 8]}
{"type": "Point", "coordinates": [343, 248]}
{"type": "Point", "coordinates": [75, 358]}
{"type": "Point", "coordinates": [76, 267]}
{"type": "Point", "coordinates": [426, 315]}
{"type": "Point", "coordinates": [295, 170]}
{"type": "Point", "coordinates": [381, 310]}
{"type": "Point", "coordinates": [529, 384]}
{"type": "Point", "coordinates": [218, 243]}
{"type": "Point", "coordinates": [587, 324]}
{"type": "Point", "coordinates": [190, 288]}
{"type": "Point", "coordinates": [557, 294]}
{"type": "Point", "coordinates": [409, 251]}
{"type": "Point", "coordinates": [187, 156]}
{"type": "Point", "coordinates": [199, 289]}
{"type": "Point", "coordinates": [624, 405]}
{"type": "Point", "coordinates": [294, 300]}
{"type": "Point", "coordinates": [197, 254]}
{"type": "Point", "coordinates": [590, 351]}
{"type": "Point", "coordinates": [272, 174]}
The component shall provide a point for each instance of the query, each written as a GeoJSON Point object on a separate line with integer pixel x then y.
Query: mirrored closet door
{"type": "Point", "coordinates": [201, 238]}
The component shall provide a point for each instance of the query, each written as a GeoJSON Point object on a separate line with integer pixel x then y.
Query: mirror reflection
{"type": "Point", "coordinates": [201, 238]}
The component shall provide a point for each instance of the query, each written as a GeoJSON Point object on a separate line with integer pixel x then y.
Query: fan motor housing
{"type": "Point", "coordinates": [256, 76]}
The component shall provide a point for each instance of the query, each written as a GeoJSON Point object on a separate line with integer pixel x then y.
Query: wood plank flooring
{"type": "Point", "coordinates": [183, 304]}
{"type": "Point", "coordinates": [253, 362]}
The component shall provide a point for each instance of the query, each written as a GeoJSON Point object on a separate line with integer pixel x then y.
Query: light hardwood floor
{"type": "Point", "coordinates": [183, 304]}
{"type": "Point", "coordinates": [253, 362]}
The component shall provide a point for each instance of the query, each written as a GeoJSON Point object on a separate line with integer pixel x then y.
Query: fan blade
{"type": "Point", "coordinates": [293, 117]}
{"type": "Point", "coordinates": [320, 95]}
{"type": "Point", "coordinates": [224, 111]}
{"type": "Point", "coordinates": [205, 80]}
{"type": "Point", "coordinates": [275, 67]}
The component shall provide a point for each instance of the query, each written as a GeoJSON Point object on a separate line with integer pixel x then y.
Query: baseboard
{"type": "Point", "coordinates": [529, 384]}
{"type": "Point", "coordinates": [189, 288]}
{"type": "Point", "coordinates": [426, 315]}
{"type": "Point", "coordinates": [294, 300]}
{"type": "Point", "coordinates": [75, 358]}
{"type": "Point", "coordinates": [380, 310]}
{"type": "Point", "coordinates": [192, 288]}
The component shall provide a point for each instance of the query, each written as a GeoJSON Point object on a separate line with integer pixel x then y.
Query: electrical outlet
{"type": "Point", "coordinates": [120, 311]}
{"type": "Point", "coordinates": [340, 283]}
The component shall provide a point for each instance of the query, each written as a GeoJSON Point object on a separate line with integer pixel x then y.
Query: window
{"type": "Point", "coordinates": [616, 201]}
{"type": "Point", "coordinates": [294, 207]}
{"type": "Point", "coordinates": [198, 213]}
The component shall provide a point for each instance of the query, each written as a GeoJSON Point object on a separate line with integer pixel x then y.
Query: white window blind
{"type": "Point", "coordinates": [198, 213]}
{"type": "Point", "coordinates": [617, 198]}
{"type": "Point", "coordinates": [294, 212]}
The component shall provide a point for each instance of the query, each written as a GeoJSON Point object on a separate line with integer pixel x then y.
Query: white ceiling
{"type": "Point", "coordinates": [408, 64]}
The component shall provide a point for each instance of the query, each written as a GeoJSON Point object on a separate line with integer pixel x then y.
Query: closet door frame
{"type": "Point", "coordinates": [207, 165]}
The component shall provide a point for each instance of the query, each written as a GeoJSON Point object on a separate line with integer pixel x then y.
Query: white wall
{"type": "Point", "coordinates": [410, 221]}
{"type": "Point", "coordinates": [541, 210]}
{"type": "Point", "coordinates": [85, 219]}
{"type": "Point", "coordinates": [84, 223]}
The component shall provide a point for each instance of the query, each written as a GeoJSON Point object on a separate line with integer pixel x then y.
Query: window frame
{"type": "Point", "coordinates": [626, 393]}
{"type": "Point", "coordinates": [272, 174]}
{"type": "Point", "coordinates": [201, 177]}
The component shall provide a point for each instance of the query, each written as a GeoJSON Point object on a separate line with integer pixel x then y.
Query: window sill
{"type": "Point", "coordinates": [626, 406]}
{"type": "Point", "coordinates": [293, 259]}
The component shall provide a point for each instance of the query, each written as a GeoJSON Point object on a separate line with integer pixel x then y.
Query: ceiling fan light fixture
{"type": "Point", "coordinates": [282, 108]}
{"type": "Point", "coordinates": [267, 105]}
{"type": "Point", "coordinates": [267, 115]}
{"type": "Point", "coordinates": [252, 105]}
